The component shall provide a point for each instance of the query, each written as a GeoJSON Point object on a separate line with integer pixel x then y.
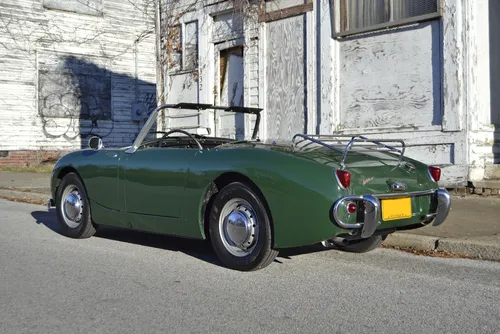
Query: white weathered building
{"type": "Point", "coordinates": [70, 69]}
{"type": "Point", "coordinates": [424, 71]}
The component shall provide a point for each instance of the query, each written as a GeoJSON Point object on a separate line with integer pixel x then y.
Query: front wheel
{"type": "Point", "coordinates": [73, 209]}
{"type": "Point", "coordinates": [240, 229]}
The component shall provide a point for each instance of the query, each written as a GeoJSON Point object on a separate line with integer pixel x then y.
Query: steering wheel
{"type": "Point", "coordinates": [166, 134]}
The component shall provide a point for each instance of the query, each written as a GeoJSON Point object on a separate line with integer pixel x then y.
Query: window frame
{"type": "Point", "coordinates": [185, 43]}
{"type": "Point", "coordinates": [181, 67]}
{"type": "Point", "coordinates": [336, 21]}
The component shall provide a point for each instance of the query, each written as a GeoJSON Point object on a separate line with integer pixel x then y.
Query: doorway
{"type": "Point", "coordinates": [231, 76]}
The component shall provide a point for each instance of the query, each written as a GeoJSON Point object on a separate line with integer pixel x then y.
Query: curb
{"type": "Point", "coordinates": [475, 248]}
{"type": "Point", "coordinates": [20, 196]}
{"type": "Point", "coordinates": [412, 240]}
{"type": "Point", "coordinates": [481, 249]}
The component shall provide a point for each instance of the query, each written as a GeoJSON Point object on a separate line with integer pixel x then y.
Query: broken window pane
{"type": "Point", "coordinates": [173, 47]}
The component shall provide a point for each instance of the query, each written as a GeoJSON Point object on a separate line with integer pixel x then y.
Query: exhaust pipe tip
{"type": "Point", "coordinates": [340, 242]}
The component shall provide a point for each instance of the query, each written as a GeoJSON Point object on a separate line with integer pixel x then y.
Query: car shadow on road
{"type": "Point", "coordinates": [200, 249]}
{"type": "Point", "coordinates": [290, 253]}
{"type": "Point", "coordinates": [47, 218]}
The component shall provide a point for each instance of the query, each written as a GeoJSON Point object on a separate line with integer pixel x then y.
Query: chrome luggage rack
{"type": "Point", "coordinates": [377, 144]}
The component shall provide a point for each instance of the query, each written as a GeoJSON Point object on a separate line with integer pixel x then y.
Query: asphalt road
{"type": "Point", "coordinates": [126, 282]}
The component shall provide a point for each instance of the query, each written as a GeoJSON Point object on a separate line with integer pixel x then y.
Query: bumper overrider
{"type": "Point", "coordinates": [50, 203]}
{"type": "Point", "coordinates": [440, 207]}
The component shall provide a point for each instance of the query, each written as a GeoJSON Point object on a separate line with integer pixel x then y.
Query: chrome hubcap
{"type": "Point", "coordinates": [72, 206]}
{"type": "Point", "coordinates": [238, 227]}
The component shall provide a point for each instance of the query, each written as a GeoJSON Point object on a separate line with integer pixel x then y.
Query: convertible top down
{"type": "Point", "coordinates": [249, 198]}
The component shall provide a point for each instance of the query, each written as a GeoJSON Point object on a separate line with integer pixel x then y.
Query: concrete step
{"type": "Point", "coordinates": [492, 172]}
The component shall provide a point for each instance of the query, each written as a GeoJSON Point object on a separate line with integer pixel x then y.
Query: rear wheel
{"type": "Point", "coordinates": [73, 210]}
{"type": "Point", "coordinates": [240, 229]}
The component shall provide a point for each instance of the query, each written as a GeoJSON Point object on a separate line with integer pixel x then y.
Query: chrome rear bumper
{"type": "Point", "coordinates": [441, 201]}
{"type": "Point", "coordinates": [443, 207]}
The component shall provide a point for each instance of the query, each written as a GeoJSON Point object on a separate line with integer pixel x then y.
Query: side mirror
{"type": "Point", "coordinates": [95, 143]}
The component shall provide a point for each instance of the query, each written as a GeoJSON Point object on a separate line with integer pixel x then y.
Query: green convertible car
{"type": "Point", "coordinates": [249, 198]}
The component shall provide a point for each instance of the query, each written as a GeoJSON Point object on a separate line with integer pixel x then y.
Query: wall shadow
{"type": "Point", "coordinates": [79, 98]}
{"type": "Point", "coordinates": [496, 145]}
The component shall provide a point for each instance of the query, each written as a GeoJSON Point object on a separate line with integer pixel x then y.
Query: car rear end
{"type": "Point", "coordinates": [381, 190]}
{"type": "Point", "coordinates": [381, 200]}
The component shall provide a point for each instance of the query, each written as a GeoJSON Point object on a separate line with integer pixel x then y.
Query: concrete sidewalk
{"type": "Point", "coordinates": [472, 228]}
{"type": "Point", "coordinates": [34, 187]}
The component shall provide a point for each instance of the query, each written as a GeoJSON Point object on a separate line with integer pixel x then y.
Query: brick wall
{"type": "Point", "coordinates": [23, 158]}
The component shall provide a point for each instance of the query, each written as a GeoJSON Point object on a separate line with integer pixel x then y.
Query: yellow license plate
{"type": "Point", "coordinates": [399, 208]}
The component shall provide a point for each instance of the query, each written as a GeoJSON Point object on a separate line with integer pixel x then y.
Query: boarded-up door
{"type": "Point", "coordinates": [285, 77]}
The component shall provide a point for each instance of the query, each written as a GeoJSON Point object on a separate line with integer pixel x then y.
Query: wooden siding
{"type": "Point", "coordinates": [65, 76]}
{"type": "Point", "coordinates": [89, 7]}
{"type": "Point", "coordinates": [282, 13]}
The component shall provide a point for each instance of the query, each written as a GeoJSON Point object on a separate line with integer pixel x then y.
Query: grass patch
{"type": "Point", "coordinates": [435, 253]}
{"type": "Point", "coordinates": [28, 169]}
{"type": "Point", "coordinates": [23, 200]}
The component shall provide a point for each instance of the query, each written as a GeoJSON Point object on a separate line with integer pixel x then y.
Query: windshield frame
{"type": "Point", "coordinates": [154, 116]}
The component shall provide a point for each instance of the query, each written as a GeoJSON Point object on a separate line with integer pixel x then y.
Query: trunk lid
{"type": "Point", "coordinates": [372, 172]}
{"type": "Point", "coordinates": [383, 176]}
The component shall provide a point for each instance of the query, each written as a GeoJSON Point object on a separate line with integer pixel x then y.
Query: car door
{"type": "Point", "coordinates": [154, 181]}
{"type": "Point", "coordinates": [99, 171]}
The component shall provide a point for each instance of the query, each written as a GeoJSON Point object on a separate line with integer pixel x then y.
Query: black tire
{"type": "Point", "coordinates": [83, 227]}
{"type": "Point", "coordinates": [260, 254]}
{"type": "Point", "coordinates": [363, 245]}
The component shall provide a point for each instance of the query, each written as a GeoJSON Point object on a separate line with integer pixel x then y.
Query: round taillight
{"type": "Point", "coordinates": [435, 173]}
{"type": "Point", "coordinates": [344, 178]}
{"type": "Point", "coordinates": [351, 208]}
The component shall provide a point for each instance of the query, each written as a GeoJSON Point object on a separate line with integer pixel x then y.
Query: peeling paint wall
{"type": "Point", "coordinates": [482, 57]}
{"type": "Point", "coordinates": [72, 69]}
{"type": "Point", "coordinates": [427, 82]}
{"type": "Point", "coordinates": [391, 80]}
{"type": "Point", "coordinates": [494, 45]}
{"type": "Point", "coordinates": [220, 27]}
{"type": "Point", "coordinates": [407, 83]}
